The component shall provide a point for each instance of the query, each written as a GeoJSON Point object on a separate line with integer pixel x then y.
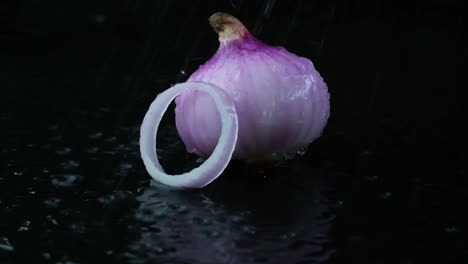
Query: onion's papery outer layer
{"type": "Point", "coordinates": [281, 101]}
{"type": "Point", "coordinates": [220, 156]}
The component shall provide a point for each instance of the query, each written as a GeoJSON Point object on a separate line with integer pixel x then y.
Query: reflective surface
{"type": "Point", "coordinates": [251, 215]}
{"type": "Point", "coordinates": [384, 184]}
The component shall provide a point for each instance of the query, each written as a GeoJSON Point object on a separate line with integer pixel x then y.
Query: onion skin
{"type": "Point", "coordinates": [281, 101]}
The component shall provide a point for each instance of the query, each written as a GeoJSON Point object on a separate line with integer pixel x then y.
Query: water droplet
{"type": "Point", "coordinates": [125, 166]}
{"type": "Point", "coordinates": [288, 155]}
{"type": "Point", "coordinates": [46, 255]}
{"type": "Point", "coordinates": [24, 226]}
{"type": "Point", "coordinates": [65, 180]}
{"type": "Point", "coordinates": [158, 249]}
{"type": "Point", "coordinates": [115, 196]}
{"type": "Point", "coordinates": [52, 202]}
{"type": "Point", "coordinates": [288, 235]}
{"type": "Point", "coordinates": [451, 229]}
{"type": "Point", "coordinates": [191, 150]}
{"type": "Point", "coordinates": [63, 151]}
{"type": "Point", "coordinates": [78, 228]}
{"type": "Point", "coordinates": [365, 153]}
{"type": "Point", "coordinates": [111, 139]}
{"type": "Point", "coordinates": [53, 127]}
{"type": "Point", "coordinates": [6, 247]}
{"type": "Point", "coordinates": [201, 221]}
{"type": "Point", "coordinates": [200, 160]}
{"type": "Point", "coordinates": [106, 199]}
{"type": "Point", "coordinates": [213, 234]}
{"type": "Point", "coordinates": [91, 150]}
{"type": "Point", "coordinates": [339, 204]}
{"type": "Point", "coordinates": [385, 195]}
{"type": "Point", "coordinates": [95, 135]}
{"type": "Point", "coordinates": [182, 209]}
{"type": "Point", "coordinates": [183, 73]}
{"type": "Point", "coordinates": [18, 173]}
{"type": "Point", "coordinates": [302, 151]}
{"type": "Point", "coordinates": [70, 165]}
{"type": "Point", "coordinates": [248, 229]}
{"type": "Point", "coordinates": [51, 220]}
{"type": "Point", "coordinates": [373, 178]}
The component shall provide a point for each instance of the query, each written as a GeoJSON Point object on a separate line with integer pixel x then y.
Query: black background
{"type": "Point", "coordinates": [77, 77]}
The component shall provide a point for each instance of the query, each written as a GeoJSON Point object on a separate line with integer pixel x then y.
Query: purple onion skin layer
{"type": "Point", "coordinates": [281, 101]}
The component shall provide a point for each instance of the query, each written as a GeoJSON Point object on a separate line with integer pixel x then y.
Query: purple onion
{"type": "Point", "coordinates": [280, 102]}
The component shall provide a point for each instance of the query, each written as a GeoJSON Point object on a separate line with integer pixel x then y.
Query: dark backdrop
{"type": "Point", "coordinates": [77, 77]}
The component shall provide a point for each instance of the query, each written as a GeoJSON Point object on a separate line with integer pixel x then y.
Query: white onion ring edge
{"type": "Point", "coordinates": [219, 159]}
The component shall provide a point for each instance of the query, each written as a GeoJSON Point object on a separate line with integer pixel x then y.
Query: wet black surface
{"type": "Point", "coordinates": [385, 184]}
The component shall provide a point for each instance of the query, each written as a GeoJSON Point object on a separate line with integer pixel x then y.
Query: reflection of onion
{"type": "Point", "coordinates": [280, 100]}
{"type": "Point", "coordinates": [288, 221]}
{"type": "Point", "coordinates": [221, 155]}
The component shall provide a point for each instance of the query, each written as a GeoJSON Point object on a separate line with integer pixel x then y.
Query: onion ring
{"type": "Point", "coordinates": [219, 159]}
